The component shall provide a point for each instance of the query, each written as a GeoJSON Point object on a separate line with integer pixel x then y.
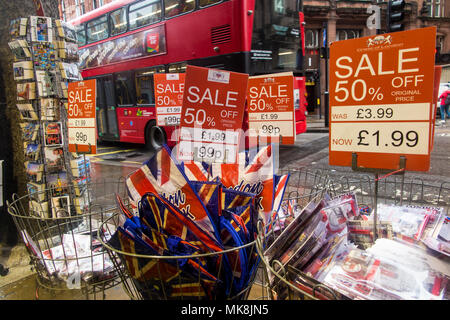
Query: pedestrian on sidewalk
{"type": "Point", "coordinates": [445, 103]}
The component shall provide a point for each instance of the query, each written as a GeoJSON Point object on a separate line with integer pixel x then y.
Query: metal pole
{"type": "Point", "coordinates": [326, 93]}
{"type": "Point", "coordinates": [375, 235]}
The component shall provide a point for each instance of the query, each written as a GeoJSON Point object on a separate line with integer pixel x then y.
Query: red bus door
{"type": "Point", "coordinates": [107, 128]}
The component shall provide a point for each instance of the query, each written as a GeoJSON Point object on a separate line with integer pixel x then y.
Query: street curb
{"type": "Point", "coordinates": [319, 130]}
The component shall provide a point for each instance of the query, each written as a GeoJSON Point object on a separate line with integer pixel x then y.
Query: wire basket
{"type": "Point", "coordinates": [62, 243]}
{"type": "Point", "coordinates": [289, 283]}
{"type": "Point", "coordinates": [172, 277]}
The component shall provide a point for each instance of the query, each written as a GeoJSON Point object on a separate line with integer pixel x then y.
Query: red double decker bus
{"type": "Point", "coordinates": [124, 43]}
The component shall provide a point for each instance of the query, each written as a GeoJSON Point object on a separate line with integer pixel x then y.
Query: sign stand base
{"type": "Point", "coordinates": [376, 171]}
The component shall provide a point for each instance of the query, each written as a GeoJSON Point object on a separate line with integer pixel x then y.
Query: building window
{"type": "Point", "coordinates": [435, 8]}
{"type": "Point", "coordinates": [346, 34]}
{"type": "Point", "coordinates": [97, 29]}
{"type": "Point", "coordinates": [311, 38]}
{"type": "Point", "coordinates": [144, 12]}
{"type": "Point", "coordinates": [176, 7]}
{"type": "Point", "coordinates": [82, 7]}
{"type": "Point", "coordinates": [118, 21]}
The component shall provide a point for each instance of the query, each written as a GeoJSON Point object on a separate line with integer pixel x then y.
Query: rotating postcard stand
{"type": "Point", "coordinates": [55, 217]}
{"type": "Point", "coordinates": [400, 171]}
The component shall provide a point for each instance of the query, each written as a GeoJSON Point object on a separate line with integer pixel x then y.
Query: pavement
{"type": "Point", "coordinates": [310, 150]}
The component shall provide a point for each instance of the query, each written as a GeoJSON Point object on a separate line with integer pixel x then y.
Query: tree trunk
{"type": "Point", "coordinates": [11, 145]}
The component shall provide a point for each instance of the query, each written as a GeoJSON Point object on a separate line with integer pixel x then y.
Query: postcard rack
{"type": "Point", "coordinates": [46, 56]}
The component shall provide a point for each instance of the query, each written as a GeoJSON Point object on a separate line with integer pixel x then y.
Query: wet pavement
{"type": "Point", "coordinates": [116, 162]}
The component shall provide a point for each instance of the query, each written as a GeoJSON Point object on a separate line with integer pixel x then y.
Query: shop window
{"type": "Point", "coordinates": [97, 29]}
{"type": "Point", "coordinates": [118, 21]}
{"type": "Point", "coordinates": [144, 13]}
{"type": "Point", "coordinates": [205, 3]}
{"type": "Point", "coordinates": [144, 85]}
{"type": "Point", "coordinates": [311, 38]}
{"type": "Point", "coordinates": [347, 34]}
{"type": "Point", "coordinates": [176, 7]}
{"type": "Point", "coordinates": [124, 87]}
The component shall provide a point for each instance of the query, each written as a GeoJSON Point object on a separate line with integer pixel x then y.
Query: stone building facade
{"type": "Point", "coordinates": [347, 19]}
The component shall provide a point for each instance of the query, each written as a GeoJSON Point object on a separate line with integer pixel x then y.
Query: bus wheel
{"type": "Point", "coordinates": [155, 137]}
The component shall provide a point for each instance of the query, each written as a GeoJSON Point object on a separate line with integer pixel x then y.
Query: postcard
{"type": "Point", "coordinates": [44, 55]}
{"type": "Point", "coordinates": [54, 159]}
{"type": "Point", "coordinates": [34, 171]}
{"type": "Point", "coordinates": [26, 91]}
{"type": "Point", "coordinates": [58, 183]}
{"type": "Point", "coordinates": [41, 29]}
{"type": "Point", "coordinates": [60, 207]}
{"type": "Point", "coordinates": [66, 31]}
{"type": "Point", "coordinates": [39, 209]}
{"type": "Point", "coordinates": [36, 191]}
{"type": "Point", "coordinates": [53, 134]}
{"type": "Point", "coordinates": [20, 49]}
{"type": "Point", "coordinates": [49, 109]}
{"type": "Point", "coordinates": [69, 71]}
{"type": "Point", "coordinates": [46, 83]}
{"type": "Point", "coordinates": [32, 152]}
{"type": "Point", "coordinates": [23, 70]}
{"type": "Point", "coordinates": [27, 112]}
{"type": "Point", "coordinates": [18, 28]}
{"type": "Point", "coordinates": [30, 131]}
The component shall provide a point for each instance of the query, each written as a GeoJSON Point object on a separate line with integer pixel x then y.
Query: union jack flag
{"type": "Point", "coordinates": [158, 278]}
{"type": "Point", "coordinates": [162, 175]}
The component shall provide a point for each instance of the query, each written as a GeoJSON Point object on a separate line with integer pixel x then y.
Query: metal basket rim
{"type": "Point", "coordinates": [16, 199]}
{"type": "Point", "coordinates": [202, 255]}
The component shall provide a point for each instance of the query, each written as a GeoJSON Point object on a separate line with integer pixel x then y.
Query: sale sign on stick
{"type": "Point", "coordinates": [381, 100]}
{"type": "Point", "coordinates": [81, 116]}
{"type": "Point", "coordinates": [169, 89]}
{"type": "Point", "coordinates": [212, 114]}
{"type": "Point", "coordinates": [271, 106]}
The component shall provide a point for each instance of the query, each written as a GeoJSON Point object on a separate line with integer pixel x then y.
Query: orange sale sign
{"type": "Point", "coordinates": [169, 88]}
{"type": "Point", "coordinates": [213, 111]}
{"type": "Point", "coordinates": [271, 107]}
{"type": "Point", "coordinates": [81, 120]}
{"type": "Point", "coordinates": [381, 100]}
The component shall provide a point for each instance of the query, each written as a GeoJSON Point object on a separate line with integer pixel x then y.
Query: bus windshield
{"type": "Point", "coordinates": [276, 39]}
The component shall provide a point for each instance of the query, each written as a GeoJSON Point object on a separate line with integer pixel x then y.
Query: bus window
{"type": "Point", "coordinates": [205, 3]}
{"type": "Point", "coordinates": [125, 93]}
{"type": "Point", "coordinates": [144, 12]}
{"type": "Point", "coordinates": [175, 7]}
{"type": "Point", "coordinates": [97, 29]}
{"type": "Point", "coordinates": [178, 67]}
{"type": "Point", "coordinates": [144, 85]}
{"type": "Point", "coordinates": [118, 21]}
{"type": "Point", "coordinates": [81, 34]}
